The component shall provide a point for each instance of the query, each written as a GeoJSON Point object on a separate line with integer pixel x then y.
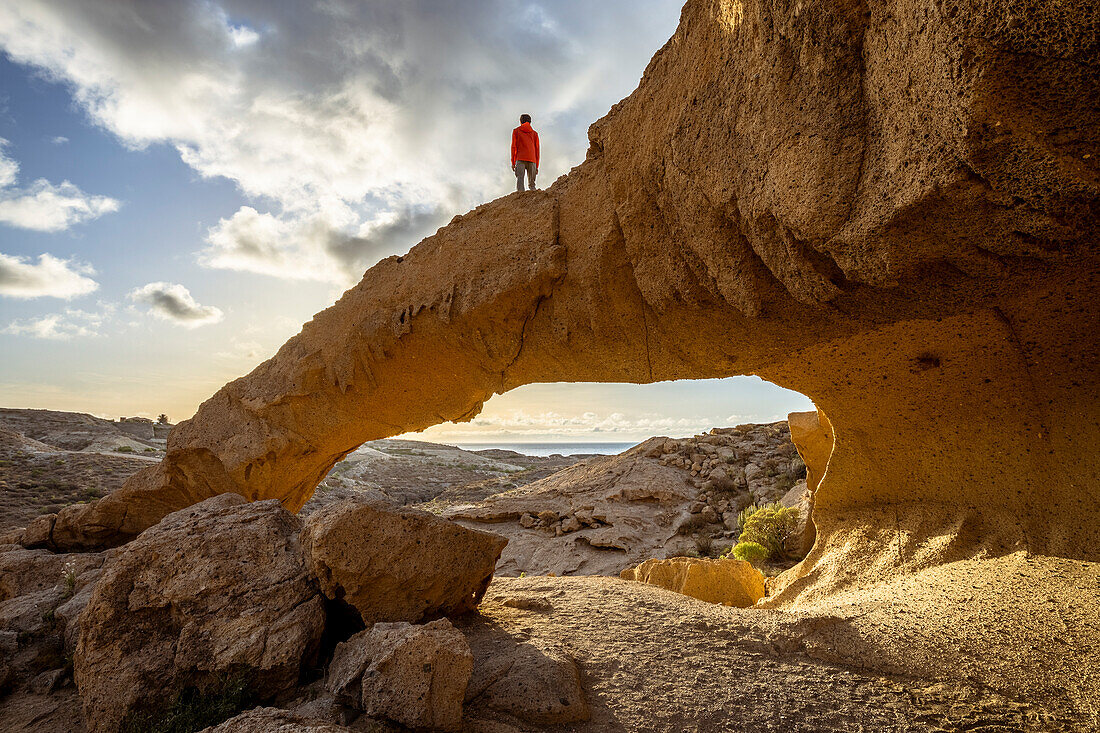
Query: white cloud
{"type": "Point", "coordinates": [51, 277]}
{"type": "Point", "coordinates": [58, 326]}
{"type": "Point", "coordinates": [173, 302]}
{"type": "Point", "coordinates": [9, 169]}
{"type": "Point", "coordinates": [59, 140]}
{"type": "Point", "coordinates": [342, 113]}
{"type": "Point", "coordinates": [519, 422]}
{"type": "Point", "coordinates": [43, 206]}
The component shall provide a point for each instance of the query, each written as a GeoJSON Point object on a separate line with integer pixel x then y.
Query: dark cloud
{"type": "Point", "coordinates": [173, 302]}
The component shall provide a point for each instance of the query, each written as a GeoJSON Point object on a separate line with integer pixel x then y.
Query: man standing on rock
{"type": "Point", "coordinates": [525, 152]}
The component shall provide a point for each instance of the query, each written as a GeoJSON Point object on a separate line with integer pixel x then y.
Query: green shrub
{"type": "Point", "coordinates": [771, 526]}
{"type": "Point", "coordinates": [750, 552]}
{"type": "Point", "coordinates": [124, 449]}
{"type": "Point", "coordinates": [192, 710]}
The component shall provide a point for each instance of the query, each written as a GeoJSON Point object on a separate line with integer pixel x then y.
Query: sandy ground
{"type": "Point", "coordinates": [654, 660]}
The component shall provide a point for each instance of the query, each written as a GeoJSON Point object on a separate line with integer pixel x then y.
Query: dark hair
{"type": "Point", "coordinates": [524, 118]}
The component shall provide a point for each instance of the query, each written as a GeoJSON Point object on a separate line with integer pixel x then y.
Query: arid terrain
{"type": "Point", "coordinates": [892, 208]}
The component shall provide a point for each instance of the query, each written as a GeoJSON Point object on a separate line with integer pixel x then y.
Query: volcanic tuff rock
{"type": "Point", "coordinates": [215, 590]}
{"type": "Point", "coordinates": [415, 675]}
{"type": "Point", "coordinates": [887, 199]}
{"type": "Point", "coordinates": [726, 581]}
{"type": "Point", "coordinates": [538, 683]}
{"type": "Point", "coordinates": [891, 207]}
{"type": "Point", "coordinates": [395, 564]}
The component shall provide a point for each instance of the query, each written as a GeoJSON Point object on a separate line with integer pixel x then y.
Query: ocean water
{"type": "Point", "coordinates": [546, 449]}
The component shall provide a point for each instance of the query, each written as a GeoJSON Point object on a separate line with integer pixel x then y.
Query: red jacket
{"type": "Point", "coordinates": [525, 144]}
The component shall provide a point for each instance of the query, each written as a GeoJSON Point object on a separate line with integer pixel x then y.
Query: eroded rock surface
{"type": "Point", "coordinates": [889, 207]}
{"type": "Point", "coordinates": [394, 564]}
{"type": "Point", "coordinates": [726, 581]}
{"type": "Point", "coordinates": [414, 675]}
{"type": "Point", "coordinates": [213, 591]}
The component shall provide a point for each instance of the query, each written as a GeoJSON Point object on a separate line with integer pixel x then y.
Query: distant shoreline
{"type": "Point", "coordinates": [544, 449]}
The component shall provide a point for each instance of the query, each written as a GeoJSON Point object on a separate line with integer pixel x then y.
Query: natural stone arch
{"type": "Point", "coordinates": [774, 199]}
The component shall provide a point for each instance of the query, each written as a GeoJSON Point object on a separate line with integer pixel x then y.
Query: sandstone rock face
{"type": "Point", "coordinates": [414, 675]}
{"type": "Point", "coordinates": [726, 581]}
{"type": "Point", "coordinates": [216, 589]}
{"type": "Point", "coordinates": [398, 564]}
{"type": "Point", "coordinates": [890, 207]}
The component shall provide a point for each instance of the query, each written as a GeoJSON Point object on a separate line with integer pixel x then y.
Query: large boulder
{"type": "Point", "coordinates": [414, 675]}
{"type": "Point", "coordinates": [214, 591]}
{"type": "Point", "coordinates": [726, 581]}
{"type": "Point", "coordinates": [398, 564]}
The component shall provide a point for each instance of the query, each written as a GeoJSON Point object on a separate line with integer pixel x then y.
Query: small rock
{"type": "Point", "coordinates": [710, 515]}
{"type": "Point", "coordinates": [528, 520]}
{"type": "Point", "coordinates": [548, 517]}
{"type": "Point", "coordinates": [47, 682]}
{"type": "Point", "coordinates": [571, 524]}
{"type": "Point", "coordinates": [696, 507]}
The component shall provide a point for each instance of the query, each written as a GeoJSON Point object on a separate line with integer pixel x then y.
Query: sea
{"type": "Point", "coordinates": [548, 449]}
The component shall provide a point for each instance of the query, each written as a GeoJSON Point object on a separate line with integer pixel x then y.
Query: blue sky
{"type": "Point", "coordinates": [183, 184]}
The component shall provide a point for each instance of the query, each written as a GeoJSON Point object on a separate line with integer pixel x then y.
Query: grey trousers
{"type": "Point", "coordinates": [532, 171]}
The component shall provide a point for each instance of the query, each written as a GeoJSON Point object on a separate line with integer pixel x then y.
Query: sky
{"type": "Point", "coordinates": [184, 183]}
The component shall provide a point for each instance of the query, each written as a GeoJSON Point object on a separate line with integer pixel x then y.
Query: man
{"type": "Point", "coordinates": [525, 152]}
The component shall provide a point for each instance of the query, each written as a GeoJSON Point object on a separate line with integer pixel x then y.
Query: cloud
{"type": "Point", "coordinates": [520, 422]}
{"type": "Point", "coordinates": [43, 206]}
{"type": "Point", "coordinates": [51, 277]}
{"type": "Point", "coordinates": [311, 248]}
{"type": "Point", "coordinates": [59, 326]}
{"type": "Point", "coordinates": [59, 140]}
{"type": "Point", "coordinates": [341, 114]}
{"type": "Point", "coordinates": [173, 302]}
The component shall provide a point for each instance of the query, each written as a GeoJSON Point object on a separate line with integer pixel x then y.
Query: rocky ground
{"type": "Point", "coordinates": [61, 467]}
{"type": "Point", "coordinates": [51, 459]}
{"type": "Point", "coordinates": [936, 651]}
{"type": "Point", "coordinates": [663, 498]}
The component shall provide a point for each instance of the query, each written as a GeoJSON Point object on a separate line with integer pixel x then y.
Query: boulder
{"type": "Point", "coordinates": [398, 564]}
{"type": "Point", "coordinates": [414, 675]}
{"type": "Point", "coordinates": [273, 720]}
{"type": "Point", "coordinates": [541, 686]}
{"type": "Point", "coordinates": [726, 581]}
{"type": "Point", "coordinates": [217, 589]}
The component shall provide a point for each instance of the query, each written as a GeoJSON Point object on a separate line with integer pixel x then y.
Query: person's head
{"type": "Point", "coordinates": [524, 118]}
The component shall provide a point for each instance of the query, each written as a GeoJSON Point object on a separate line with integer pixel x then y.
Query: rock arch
{"type": "Point", "coordinates": [890, 207]}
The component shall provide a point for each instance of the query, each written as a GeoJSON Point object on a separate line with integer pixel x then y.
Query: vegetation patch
{"type": "Point", "coordinates": [193, 710]}
{"type": "Point", "coordinates": [770, 527]}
